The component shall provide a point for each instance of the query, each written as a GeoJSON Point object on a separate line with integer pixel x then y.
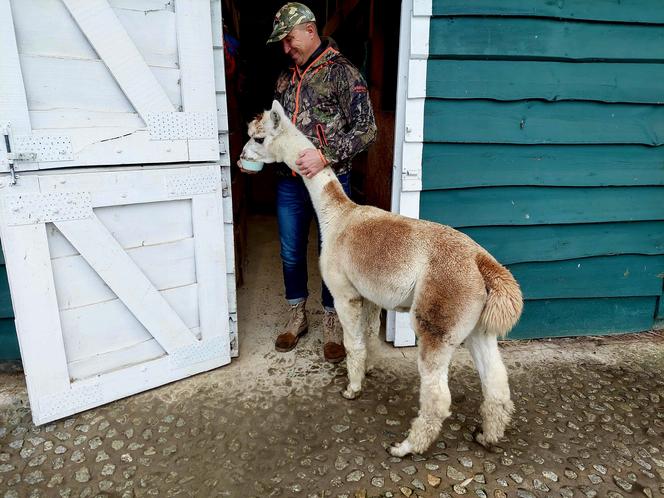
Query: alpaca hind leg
{"type": "Point", "coordinates": [435, 399]}
{"type": "Point", "coordinates": [349, 309]}
{"type": "Point", "coordinates": [497, 407]}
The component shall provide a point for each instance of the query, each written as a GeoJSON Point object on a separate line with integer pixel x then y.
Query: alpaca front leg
{"type": "Point", "coordinates": [371, 324]}
{"type": "Point", "coordinates": [349, 311]}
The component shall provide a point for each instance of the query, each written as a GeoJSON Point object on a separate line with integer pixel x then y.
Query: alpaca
{"type": "Point", "coordinates": [370, 259]}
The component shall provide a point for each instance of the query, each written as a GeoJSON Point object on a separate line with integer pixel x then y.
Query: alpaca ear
{"type": "Point", "coordinates": [276, 118]}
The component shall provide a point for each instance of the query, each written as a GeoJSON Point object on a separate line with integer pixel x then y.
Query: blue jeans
{"type": "Point", "coordinates": [294, 214]}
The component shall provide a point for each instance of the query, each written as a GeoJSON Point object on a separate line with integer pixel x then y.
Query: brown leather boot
{"type": "Point", "coordinates": [297, 326]}
{"type": "Point", "coordinates": [333, 347]}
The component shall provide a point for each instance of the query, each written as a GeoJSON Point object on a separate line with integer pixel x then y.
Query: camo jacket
{"type": "Point", "coordinates": [329, 102]}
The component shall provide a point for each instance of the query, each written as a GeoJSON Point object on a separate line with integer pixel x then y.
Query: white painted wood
{"type": "Point", "coordinates": [54, 32]}
{"type": "Point", "coordinates": [125, 187]}
{"type": "Point", "coordinates": [118, 148]}
{"type": "Point", "coordinates": [13, 102]}
{"type": "Point", "coordinates": [194, 29]}
{"type": "Point", "coordinates": [135, 379]}
{"type": "Point", "coordinates": [107, 362]}
{"type": "Point", "coordinates": [417, 78]}
{"type": "Point", "coordinates": [85, 335]}
{"type": "Point", "coordinates": [422, 7]}
{"type": "Point", "coordinates": [410, 204]}
{"type": "Point", "coordinates": [134, 226]}
{"type": "Point", "coordinates": [230, 255]}
{"type": "Point", "coordinates": [415, 120]}
{"type": "Point", "coordinates": [55, 83]}
{"type": "Point", "coordinates": [110, 40]}
{"type": "Point", "coordinates": [92, 69]}
{"type": "Point", "coordinates": [405, 336]}
{"type": "Point", "coordinates": [33, 297]}
{"type": "Point", "coordinates": [419, 38]}
{"type": "Point", "coordinates": [138, 307]}
{"type": "Point", "coordinates": [400, 128]}
{"type": "Point", "coordinates": [146, 7]}
{"type": "Point", "coordinates": [412, 167]}
{"type": "Point", "coordinates": [166, 266]}
{"type": "Point", "coordinates": [210, 265]}
{"type": "Point", "coordinates": [108, 259]}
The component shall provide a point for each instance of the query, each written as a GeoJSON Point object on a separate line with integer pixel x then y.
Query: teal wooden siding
{"type": "Point", "coordinates": [544, 141]}
{"type": "Point", "coordinates": [8, 340]}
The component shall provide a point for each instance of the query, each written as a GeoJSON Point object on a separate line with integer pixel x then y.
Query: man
{"type": "Point", "coordinates": [327, 99]}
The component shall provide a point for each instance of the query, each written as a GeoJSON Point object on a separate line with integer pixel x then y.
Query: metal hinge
{"type": "Point", "coordinates": [34, 148]}
{"type": "Point", "coordinates": [222, 145]}
{"type": "Point", "coordinates": [224, 188]}
{"type": "Point", "coordinates": [411, 174]}
{"type": "Point", "coordinates": [12, 157]}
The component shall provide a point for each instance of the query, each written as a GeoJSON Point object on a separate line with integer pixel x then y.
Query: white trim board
{"type": "Point", "coordinates": [409, 132]}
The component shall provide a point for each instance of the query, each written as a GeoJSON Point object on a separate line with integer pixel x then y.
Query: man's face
{"type": "Point", "coordinates": [298, 44]}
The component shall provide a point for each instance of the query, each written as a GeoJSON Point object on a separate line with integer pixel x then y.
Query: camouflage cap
{"type": "Point", "coordinates": [289, 16]}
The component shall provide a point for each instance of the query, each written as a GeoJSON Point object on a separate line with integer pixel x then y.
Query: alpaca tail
{"type": "Point", "coordinates": [504, 304]}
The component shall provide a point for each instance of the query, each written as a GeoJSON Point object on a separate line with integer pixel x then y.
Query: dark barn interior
{"type": "Point", "coordinates": [367, 32]}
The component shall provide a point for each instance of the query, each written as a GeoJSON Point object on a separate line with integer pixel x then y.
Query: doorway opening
{"type": "Point", "coordinates": [367, 33]}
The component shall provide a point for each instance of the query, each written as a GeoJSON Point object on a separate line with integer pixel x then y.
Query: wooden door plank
{"type": "Point", "coordinates": [644, 11]}
{"type": "Point", "coordinates": [210, 265]}
{"type": "Point", "coordinates": [87, 336]}
{"type": "Point", "coordinates": [625, 82]}
{"type": "Point", "coordinates": [448, 166]}
{"type": "Point", "coordinates": [194, 30]}
{"type": "Point", "coordinates": [575, 317]}
{"type": "Point", "coordinates": [522, 244]}
{"type": "Point", "coordinates": [94, 242]}
{"type": "Point", "coordinates": [529, 38]}
{"type": "Point", "coordinates": [112, 43]}
{"type": "Point", "coordinates": [474, 207]}
{"type": "Point", "coordinates": [13, 102]}
{"type": "Point", "coordinates": [35, 303]}
{"type": "Point", "coordinates": [599, 276]}
{"type": "Point", "coordinates": [534, 122]}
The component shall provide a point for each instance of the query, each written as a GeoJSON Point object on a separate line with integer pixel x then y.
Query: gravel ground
{"type": "Point", "coordinates": [589, 422]}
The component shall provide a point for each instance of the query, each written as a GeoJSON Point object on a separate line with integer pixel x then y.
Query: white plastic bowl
{"type": "Point", "coordinates": [251, 165]}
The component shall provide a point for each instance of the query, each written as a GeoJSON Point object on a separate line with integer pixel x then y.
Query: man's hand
{"type": "Point", "coordinates": [310, 162]}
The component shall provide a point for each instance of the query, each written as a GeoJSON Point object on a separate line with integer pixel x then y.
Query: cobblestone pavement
{"type": "Point", "coordinates": [589, 422]}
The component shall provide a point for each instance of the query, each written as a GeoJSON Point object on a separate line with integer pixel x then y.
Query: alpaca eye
{"type": "Point", "coordinates": [258, 140]}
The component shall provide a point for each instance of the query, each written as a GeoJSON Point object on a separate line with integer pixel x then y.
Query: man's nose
{"type": "Point", "coordinates": [285, 46]}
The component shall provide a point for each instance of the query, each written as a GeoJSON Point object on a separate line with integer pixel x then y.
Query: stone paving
{"type": "Point", "coordinates": [589, 422]}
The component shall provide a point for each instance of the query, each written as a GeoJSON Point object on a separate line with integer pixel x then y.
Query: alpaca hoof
{"type": "Point", "coordinates": [478, 436]}
{"type": "Point", "coordinates": [400, 449]}
{"type": "Point", "coordinates": [483, 439]}
{"type": "Point", "coordinates": [349, 393]}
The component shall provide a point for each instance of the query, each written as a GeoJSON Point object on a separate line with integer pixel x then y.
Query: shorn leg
{"type": "Point", "coordinates": [497, 407]}
{"type": "Point", "coordinates": [435, 399]}
{"type": "Point", "coordinates": [349, 310]}
{"type": "Point", "coordinates": [371, 326]}
{"type": "Point", "coordinates": [439, 333]}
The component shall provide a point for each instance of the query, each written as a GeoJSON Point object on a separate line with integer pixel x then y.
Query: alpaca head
{"type": "Point", "coordinates": [262, 132]}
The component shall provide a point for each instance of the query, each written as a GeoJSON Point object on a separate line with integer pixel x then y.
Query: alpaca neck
{"type": "Point", "coordinates": [325, 190]}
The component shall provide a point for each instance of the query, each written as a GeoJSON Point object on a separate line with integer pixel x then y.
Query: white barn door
{"type": "Point", "coordinates": [106, 82]}
{"type": "Point", "coordinates": [118, 281]}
